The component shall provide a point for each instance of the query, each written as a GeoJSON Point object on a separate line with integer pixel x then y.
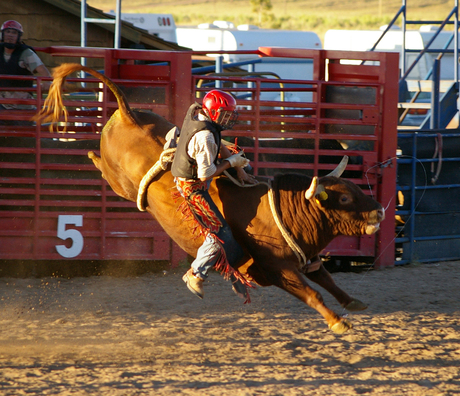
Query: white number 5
{"type": "Point", "coordinates": [76, 236]}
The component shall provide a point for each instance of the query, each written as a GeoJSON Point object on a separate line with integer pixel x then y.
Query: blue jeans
{"type": "Point", "coordinates": [219, 240]}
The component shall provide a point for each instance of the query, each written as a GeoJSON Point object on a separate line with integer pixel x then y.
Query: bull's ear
{"type": "Point", "coordinates": [311, 192]}
{"type": "Point", "coordinates": [321, 194]}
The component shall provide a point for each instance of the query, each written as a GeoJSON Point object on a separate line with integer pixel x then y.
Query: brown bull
{"type": "Point", "coordinates": [131, 144]}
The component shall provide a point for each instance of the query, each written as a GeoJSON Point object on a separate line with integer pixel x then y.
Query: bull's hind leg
{"type": "Point", "coordinates": [96, 161]}
{"type": "Point", "coordinates": [323, 278]}
{"type": "Point", "coordinates": [294, 283]}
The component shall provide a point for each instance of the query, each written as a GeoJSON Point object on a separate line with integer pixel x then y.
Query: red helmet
{"type": "Point", "coordinates": [220, 107]}
{"type": "Point", "coordinates": [12, 25]}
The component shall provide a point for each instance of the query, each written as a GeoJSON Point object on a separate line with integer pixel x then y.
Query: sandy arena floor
{"type": "Point", "coordinates": [149, 335]}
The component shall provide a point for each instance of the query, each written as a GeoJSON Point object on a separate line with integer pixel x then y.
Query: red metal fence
{"type": "Point", "coordinates": [55, 205]}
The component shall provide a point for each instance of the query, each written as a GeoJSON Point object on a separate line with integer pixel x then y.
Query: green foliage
{"type": "Point", "coordinates": [261, 7]}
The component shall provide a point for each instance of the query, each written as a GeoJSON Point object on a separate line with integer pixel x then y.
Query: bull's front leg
{"type": "Point", "coordinates": [294, 283]}
{"type": "Point", "coordinates": [323, 278]}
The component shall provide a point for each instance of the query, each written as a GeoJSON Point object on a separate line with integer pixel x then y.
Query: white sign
{"type": "Point", "coordinates": [75, 235]}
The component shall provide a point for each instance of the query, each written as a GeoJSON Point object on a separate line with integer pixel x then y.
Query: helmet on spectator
{"type": "Point", "coordinates": [11, 24]}
{"type": "Point", "coordinates": [220, 107]}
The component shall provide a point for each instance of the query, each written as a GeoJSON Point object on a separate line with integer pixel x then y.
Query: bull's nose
{"type": "Point", "coordinates": [377, 215]}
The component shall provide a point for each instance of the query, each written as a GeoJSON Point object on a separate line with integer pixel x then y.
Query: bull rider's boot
{"type": "Point", "coordinates": [194, 283]}
{"type": "Point", "coordinates": [238, 287]}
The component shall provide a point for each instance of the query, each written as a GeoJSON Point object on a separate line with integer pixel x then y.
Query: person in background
{"type": "Point", "coordinates": [195, 164]}
{"type": "Point", "coordinates": [16, 58]}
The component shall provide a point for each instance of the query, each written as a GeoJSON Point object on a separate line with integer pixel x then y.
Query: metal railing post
{"type": "Point", "coordinates": [434, 120]}
{"type": "Point", "coordinates": [219, 69]}
{"type": "Point", "coordinates": [83, 24]}
{"type": "Point", "coordinates": [456, 43]}
{"type": "Point", "coordinates": [403, 66]}
{"type": "Point", "coordinates": [83, 31]}
{"type": "Point", "coordinates": [117, 38]}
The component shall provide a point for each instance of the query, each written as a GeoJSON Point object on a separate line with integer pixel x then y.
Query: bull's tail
{"type": "Point", "coordinates": [53, 107]}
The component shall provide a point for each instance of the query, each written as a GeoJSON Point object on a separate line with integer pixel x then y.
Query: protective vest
{"type": "Point", "coordinates": [184, 165]}
{"type": "Point", "coordinates": [12, 67]}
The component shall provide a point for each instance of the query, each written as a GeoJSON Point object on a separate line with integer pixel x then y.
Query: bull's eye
{"type": "Point", "coordinates": [345, 199]}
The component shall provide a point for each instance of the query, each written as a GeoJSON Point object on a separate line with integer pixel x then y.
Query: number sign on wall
{"type": "Point", "coordinates": [69, 233]}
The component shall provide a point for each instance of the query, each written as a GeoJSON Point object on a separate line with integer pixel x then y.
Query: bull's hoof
{"type": "Point", "coordinates": [355, 306]}
{"type": "Point", "coordinates": [341, 327]}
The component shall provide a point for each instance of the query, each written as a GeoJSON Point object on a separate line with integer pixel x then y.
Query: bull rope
{"type": "Point", "coordinates": [276, 216]}
{"type": "Point", "coordinates": [286, 235]}
{"type": "Point", "coordinates": [167, 156]}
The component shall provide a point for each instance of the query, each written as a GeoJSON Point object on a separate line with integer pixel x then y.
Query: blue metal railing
{"type": "Point", "coordinates": [426, 236]}
{"type": "Point", "coordinates": [416, 241]}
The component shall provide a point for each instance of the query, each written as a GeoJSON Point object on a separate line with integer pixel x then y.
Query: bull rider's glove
{"type": "Point", "coordinates": [237, 160]}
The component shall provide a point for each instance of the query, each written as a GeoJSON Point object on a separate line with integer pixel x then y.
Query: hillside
{"type": "Point", "coordinates": [315, 15]}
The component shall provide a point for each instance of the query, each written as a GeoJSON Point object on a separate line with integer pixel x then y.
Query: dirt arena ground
{"type": "Point", "coordinates": [149, 335]}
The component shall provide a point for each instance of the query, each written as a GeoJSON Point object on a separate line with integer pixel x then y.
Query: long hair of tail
{"type": "Point", "coordinates": [53, 107]}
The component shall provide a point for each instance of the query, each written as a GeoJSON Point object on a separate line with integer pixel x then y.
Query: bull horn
{"type": "Point", "coordinates": [337, 172]}
{"type": "Point", "coordinates": [311, 192]}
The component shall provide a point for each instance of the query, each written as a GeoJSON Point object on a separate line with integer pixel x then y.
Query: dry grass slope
{"type": "Point", "coordinates": [315, 15]}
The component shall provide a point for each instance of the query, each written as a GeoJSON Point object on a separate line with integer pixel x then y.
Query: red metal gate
{"type": "Point", "coordinates": [55, 205]}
